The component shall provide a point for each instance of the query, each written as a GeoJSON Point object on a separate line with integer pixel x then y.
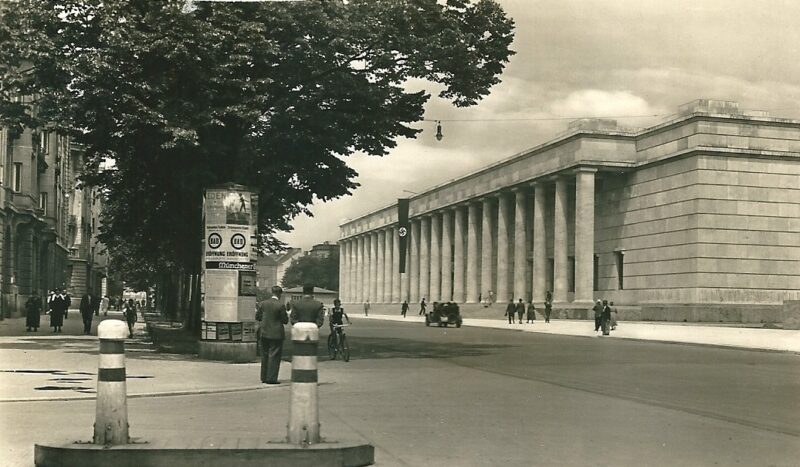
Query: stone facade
{"type": "Point", "coordinates": [42, 247]}
{"type": "Point", "coordinates": [696, 219]}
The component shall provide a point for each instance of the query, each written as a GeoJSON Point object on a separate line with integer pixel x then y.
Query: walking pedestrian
{"type": "Point", "coordinates": [423, 307]}
{"type": "Point", "coordinates": [548, 306]}
{"type": "Point", "coordinates": [520, 309]}
{"type": "Point", "coordinates": [129, 311]}
{"type": "Point", "coordinates": [366, 308]}
{"type": "Point", "coordinates": [404, 308]}
{"type": "Point", "coordinates": [96, 304]}
{"type": "Point", "coordinates": [33, 310]}
{"type": "Point", "coordinates": [613, 315]}
{"type": "Point", "coordinates": [531, 313]}
{"type": "Point", "coordinates": [272, 316]}
{"type": "Point", "coordinates": [86, 309]}
{"type": "Point", "coordinates": [605, 318]}
{"type": "Point", "coordinates": [58, 308]}
{"type": "Point", "coordinates": [598, 313]}
{"type": "Point", "coordinates": [104, 305]}
{"type": "Point", "coordinates": [510, 309]}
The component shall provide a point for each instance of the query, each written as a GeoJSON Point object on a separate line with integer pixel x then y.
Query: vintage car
{"type": "Point", "coordinates": [444, 314]}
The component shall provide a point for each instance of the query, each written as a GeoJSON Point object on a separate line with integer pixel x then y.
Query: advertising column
{"type": "Point", "coordinates": [229, 286]}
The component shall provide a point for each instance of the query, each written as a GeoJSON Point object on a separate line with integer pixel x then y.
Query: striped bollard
{"type": "Point", "coordinates": [303, 407]}
{"type": "Point", "coordinates": [111, 419]}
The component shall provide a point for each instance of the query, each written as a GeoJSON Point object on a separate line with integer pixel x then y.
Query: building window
{"type": "Point", "coordinates": [44, 142]}
{"type": "Point", "coordinates": [620, 257]}
{"type": "Point", "coordinates": [595, 273]}
{"type": "Point", "coordinates": [17, 185]}
{"type": "Point", "coordinates": [43, 203]}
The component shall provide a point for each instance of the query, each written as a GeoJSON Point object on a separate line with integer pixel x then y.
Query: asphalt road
{"type": "Point", "coordinates": [481, 397]}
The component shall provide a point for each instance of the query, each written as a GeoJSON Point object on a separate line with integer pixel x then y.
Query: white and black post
{"type": "Point", "coordinates": [303, 407]}
{"type": "Point", "coordinates": [111, 420]}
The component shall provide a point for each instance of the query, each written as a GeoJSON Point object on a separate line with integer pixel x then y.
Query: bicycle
{"type": "Point", "coordinates": [337, 343]}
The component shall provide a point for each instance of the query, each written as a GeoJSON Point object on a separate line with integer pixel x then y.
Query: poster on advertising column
{"type": "Point", "coordinates": [231, 214]}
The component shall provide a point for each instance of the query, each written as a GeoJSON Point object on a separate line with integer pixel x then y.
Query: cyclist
{"type": "Point", "coordinates": [337, 312]}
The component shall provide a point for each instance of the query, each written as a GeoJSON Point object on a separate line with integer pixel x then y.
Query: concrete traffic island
{"type": "Point", "coordinates": [111, 445]}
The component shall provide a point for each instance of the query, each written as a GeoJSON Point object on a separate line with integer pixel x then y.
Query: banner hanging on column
{"type": "Point", "coordinates": [403, 229]}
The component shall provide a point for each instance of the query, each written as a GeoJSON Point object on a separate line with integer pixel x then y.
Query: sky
{"type": "Point", "coordinates": [633, 60]}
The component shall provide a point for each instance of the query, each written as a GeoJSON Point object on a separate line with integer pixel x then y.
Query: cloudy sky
{"type": "Point", "coordinates": [630, 59]}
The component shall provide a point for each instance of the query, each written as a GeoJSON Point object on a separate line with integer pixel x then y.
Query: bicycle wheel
{"type": "Point", "coordinates": [332, 346]}
{"type": "Point", "coordinates": [345, 349]}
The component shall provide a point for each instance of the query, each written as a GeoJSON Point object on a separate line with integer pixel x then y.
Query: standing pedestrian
{"type": "Point", "coordinates": [129, 311]}
{"type": "Point", "coordinates": [548, 306]}
{"type": "Point", "coordinates": [58, 308]}
{"type": "Point", "coordinates": [366, 308]}
{"type": "Point", "coordinates": [272, 315]}
{"type": "Point", "coordinates": [520, 309]}
{"type": "Point", "coordinates": [404, 308]}
{"type": "Point", "coordinates": [96, 304]}
{"type": "Point", "coordinates": [531, 312]}
{"type": "Point", "coordinates": [104, 305]}
{"type": "Point", "coordinates": [33, 310]}
{"type": "Point", "coordinates": [613, 315]}
{"type": "Point", "coordinates": [598, 313]}
{"type": "Point", "coordinates": [491, 298]}
{"type": "Point", "coordinates": [605, 318]}
{"type": "Point", "coordinates": [423, 307]}
{"type": "Point", "coordinates": [510, 309]}
{"type": "Point", "coordinates": [86, 309]}
{"type": "Point", "coordinates": [308, 310]}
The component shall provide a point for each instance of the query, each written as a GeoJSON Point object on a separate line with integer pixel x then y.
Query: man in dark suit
{"type": "Point", "coordinates": [520, 309]}
{"type": "Point", "coordinates": [86, 312]}
{"type": "Point", "coordinates": [510, 309]}
{"type": "Point", "coordinates": [272, 315]}
{"type": "Point", "coordinates": [307, 310]}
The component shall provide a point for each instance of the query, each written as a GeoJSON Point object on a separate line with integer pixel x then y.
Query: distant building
{"type": "Point", "coordinates": [324, 250]}
{"type": "Point", "coordinates": [48, 227]}
{"type": "Point", "coordinates": [692, 219]}
{"type": "Point", "coordinates": [271, 268]}
{"type": "Point", "coordinates": [324, 295]}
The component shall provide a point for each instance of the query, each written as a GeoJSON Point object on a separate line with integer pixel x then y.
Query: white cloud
{"type": "Point", "coordinates": [600, 103]}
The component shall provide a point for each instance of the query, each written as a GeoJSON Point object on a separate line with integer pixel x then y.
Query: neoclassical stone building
{"type": "Point", "coordinates": [696, 218]}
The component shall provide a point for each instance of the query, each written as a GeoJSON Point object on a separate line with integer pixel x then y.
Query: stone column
{"type": "Point", "coordinates": [503, 263]}
{"type": "Point", "coordinates": [446, 291]}
{"type": "Point", "coordinates": [365, 269]}
{"type": "Point", "coordinates": [584, 235]}
{"type": "Point", "coordinates": [396, 293]}
{"type": "Point", "coordinates": [487, 253]}
{"type": "Point", "coordinates": [560, 242]}
{"type": "Point", "coordinates": [459, 255]}
{"type": "Point", "coordinates": [342, 269]}
{"type": "Point", "coordinates": [436, 259]}
{"type": "Point", "coordinates": [520, 246]}
{"type": "Point", "coordinates": [539, 243]}
{"type": "Point", "coordinates": [380, 266]}
{"type": "Point", "coordinates": [358, 297]}
{"type": "Point", "coordinates": [387, 265]}
{"type": "Point", "coordinates": [425, 259]}
{"type": "Point", "coordinates": [473, 227]}
{"type": "Point", "coordinates": [413, 287]}
{"type": "Point", "coordinates": [373, 267]}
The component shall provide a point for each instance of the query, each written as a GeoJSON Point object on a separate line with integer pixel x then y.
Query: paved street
{"type": "Point", "coordinates": [473, 396]}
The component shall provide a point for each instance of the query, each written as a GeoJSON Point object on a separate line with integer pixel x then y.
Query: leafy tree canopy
{"type": "Point", "coordinates": [319, 271]}
{"type": "Point", "coordinates": [269, 95]}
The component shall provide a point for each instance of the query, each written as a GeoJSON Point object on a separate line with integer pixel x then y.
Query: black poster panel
{"type": "Point", "coordinates": [403, 230]}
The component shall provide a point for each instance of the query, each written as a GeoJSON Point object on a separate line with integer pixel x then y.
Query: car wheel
{"type": "Point", "coordinates": [458, 325]}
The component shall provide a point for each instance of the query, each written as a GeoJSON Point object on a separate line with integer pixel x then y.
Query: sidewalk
{"type": "Point", "coordinates": [47, 366]}
{"type": "Point", "coordinates": [692, 333]}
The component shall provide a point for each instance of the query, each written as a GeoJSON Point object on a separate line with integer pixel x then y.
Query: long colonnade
{"type": "Point", "coordinates": [479, 248]}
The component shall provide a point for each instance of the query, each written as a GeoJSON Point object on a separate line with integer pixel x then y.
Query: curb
{"type": "Point", "coordinates": [148, 394]}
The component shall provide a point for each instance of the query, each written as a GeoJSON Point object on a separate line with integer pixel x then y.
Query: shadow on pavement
{"type": "Point", "coordinates": [366, 348]}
